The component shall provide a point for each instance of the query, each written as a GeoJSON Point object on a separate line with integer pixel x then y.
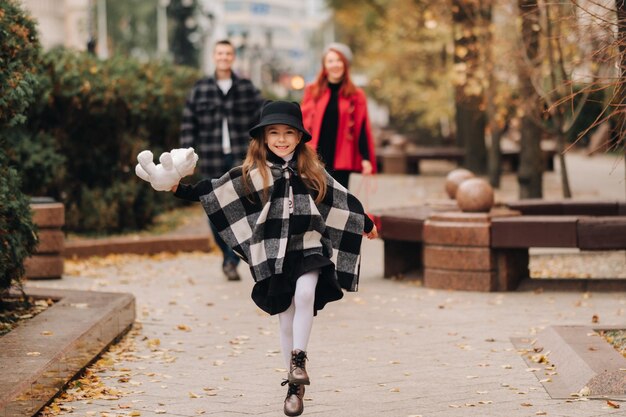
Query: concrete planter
{"type": "Point", "coordinates": [47, 262]}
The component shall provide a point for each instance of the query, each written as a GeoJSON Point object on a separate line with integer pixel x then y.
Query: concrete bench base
{"type": "Point", "coordinates": [47, 261]}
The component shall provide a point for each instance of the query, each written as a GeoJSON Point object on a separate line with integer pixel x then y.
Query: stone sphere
{"type": "Point", "coordinates": [455, 178]}
{"type": "Point", "coordinates": [475, 195]}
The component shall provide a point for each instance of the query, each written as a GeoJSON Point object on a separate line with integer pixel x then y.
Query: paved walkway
{"type": "Point", "coordinates": [393, 349]}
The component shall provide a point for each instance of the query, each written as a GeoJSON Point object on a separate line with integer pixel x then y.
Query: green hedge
{"type": "Point", "coordinates": [101, 114]}
{"type": "Point", "coordinates": [19, 56]}
{"type": "Point", "coordinates": [17, 232]}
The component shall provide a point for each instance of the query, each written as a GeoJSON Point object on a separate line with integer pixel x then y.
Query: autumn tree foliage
{"type": "Point", "coordinates": [404, 48]}
{"type": "Point", "coordinates": [484, 64]}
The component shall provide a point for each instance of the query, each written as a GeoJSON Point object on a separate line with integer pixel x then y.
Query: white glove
{"type": "Point", "coordinates": [176, 164]}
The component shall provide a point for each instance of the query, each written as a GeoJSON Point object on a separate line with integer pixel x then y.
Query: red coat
{"type": "Point", "coordinates": [352, 114]}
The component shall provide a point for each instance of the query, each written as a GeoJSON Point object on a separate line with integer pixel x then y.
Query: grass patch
{"type": "Point", "coordinates": [617, 338]}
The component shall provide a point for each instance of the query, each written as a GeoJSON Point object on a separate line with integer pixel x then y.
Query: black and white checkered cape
{"type": "Point", "coordinates": [201, 125]}
{"type": "Point", "coordinates": [261, 234]}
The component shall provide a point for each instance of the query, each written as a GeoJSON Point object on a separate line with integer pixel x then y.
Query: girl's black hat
{"type": "Point", "coordinates": [280, 113]}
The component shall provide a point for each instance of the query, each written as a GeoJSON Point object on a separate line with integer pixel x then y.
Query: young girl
{"type": "Point", "coordinates": [297, 228]}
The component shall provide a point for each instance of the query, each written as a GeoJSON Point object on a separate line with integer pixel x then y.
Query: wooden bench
{"type": "Point", "coordinates": [489, 252]}
{"type": "Point", "coordinates": [394, 161]}
{"type": "Point", "coordinates": [510, 155]}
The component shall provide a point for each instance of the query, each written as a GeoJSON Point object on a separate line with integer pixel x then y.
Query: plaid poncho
{"type": "Point", "coordinates": [260, 233]}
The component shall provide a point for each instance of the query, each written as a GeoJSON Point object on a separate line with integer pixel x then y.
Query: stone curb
{"type": "Point", "coordinates": [136, 245]}
{"type": "Point", "coordinates": [38, 358]}
{"type": "Point", "coordinates": [572, 361]}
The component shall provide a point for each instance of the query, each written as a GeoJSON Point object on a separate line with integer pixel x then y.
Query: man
{"type": "Point", "coordinates": [217, 116]}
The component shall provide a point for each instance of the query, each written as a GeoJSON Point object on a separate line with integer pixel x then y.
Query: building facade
{"type": "Point", "coordinates": [275, 39]}
{"type": "Point", "coordinates": [61, 22]}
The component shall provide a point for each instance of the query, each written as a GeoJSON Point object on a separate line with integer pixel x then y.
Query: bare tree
{"type": "Point", "coordinates": [530, 170]}
{"type": "Point", "coordinates": [469, 21]}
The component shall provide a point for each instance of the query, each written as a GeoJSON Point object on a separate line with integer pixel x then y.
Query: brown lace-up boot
{"type": "Point", "coordinates": [297, 370]}
{"type": "Point", "coordinates": [294, 403]}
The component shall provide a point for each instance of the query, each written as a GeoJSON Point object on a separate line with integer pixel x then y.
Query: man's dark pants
{"type": "Point", "coordinates": [229, 255]}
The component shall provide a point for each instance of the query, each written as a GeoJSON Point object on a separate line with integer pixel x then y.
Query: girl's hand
{"type": "Point", "coordinates": [373, 234]}
{"type": "Point", "coordinates": [174, 188]}
{"type": "Point", "coordinates": [366, 167]}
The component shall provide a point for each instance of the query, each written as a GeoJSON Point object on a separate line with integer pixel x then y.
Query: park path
{"type": "Point", "coordinates": [201, 347]}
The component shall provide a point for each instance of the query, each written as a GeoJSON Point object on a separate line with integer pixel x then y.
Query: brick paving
{"type": "Point", "coordinates": [392, 349]}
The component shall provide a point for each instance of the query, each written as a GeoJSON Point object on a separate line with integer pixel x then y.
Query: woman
{"type": "Point", "coordinates": [335, 112]}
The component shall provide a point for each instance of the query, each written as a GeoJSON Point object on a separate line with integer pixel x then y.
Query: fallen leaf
{"type": "Point", "coordinates": [595, 318]}
{"type": "Point", "coordinates": [612, 404]}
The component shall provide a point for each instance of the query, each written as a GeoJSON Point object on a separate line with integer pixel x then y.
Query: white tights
{"type": "Point", "coordinates": [296, 322]}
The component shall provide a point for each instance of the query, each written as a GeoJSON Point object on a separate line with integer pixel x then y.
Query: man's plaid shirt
{"type": "Point", "coordinates": [201, 125]}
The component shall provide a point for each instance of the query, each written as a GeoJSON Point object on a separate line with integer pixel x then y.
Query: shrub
{"type": "Point", "coordinates": [18, 58]}
{"type": "Point", "coordinates": [17, 232]}
{"type": "Point", "coordinates": [101, 114]}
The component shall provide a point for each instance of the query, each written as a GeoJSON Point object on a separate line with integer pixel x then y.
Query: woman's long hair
{"type": "Point", "coordinates": [310, 168]}
{"type": "Point", "coordinates": [321, 81]}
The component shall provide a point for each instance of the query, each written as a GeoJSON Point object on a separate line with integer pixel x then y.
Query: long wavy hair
{"type": "Point", "coordinates": [321, 81]}
{"type": "Point", "coordinates": [310, 168]}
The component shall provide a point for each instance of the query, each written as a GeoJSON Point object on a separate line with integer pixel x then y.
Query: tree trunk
{"type": "Point", "coordinates": [467, 18]}
{"type": "Point", "coordinates": [495, 122]}
{"type": "Point", "coordinates": [530, 171]}
{"type": "Point", "coordinates": [470, 125]}
{"type": "Point", "coordinates": [567, 191]}
{"type": "Point", "coordinates": [495, 158]}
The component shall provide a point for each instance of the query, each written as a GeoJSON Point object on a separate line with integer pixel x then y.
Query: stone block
{"type": "Point", "coordinates": [459, 280]}
{"type": "Point", "coordinates": [458, 258]}
{"type": "Point", "coordinates": [50, 241]}
{"type": "Point", "coordinates": [48, 215]}
{"type": "Point", "coordinates": [457, 234]}
{"type": "Point", "coordinates": [44, 266]}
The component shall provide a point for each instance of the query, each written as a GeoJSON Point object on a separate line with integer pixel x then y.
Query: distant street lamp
{"type": "Point", "coordinates": [102, 47]}
{"type": "Point", "coordinates": [297, 82]}
{"type": "Point", "coordinates": [162, 44]}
